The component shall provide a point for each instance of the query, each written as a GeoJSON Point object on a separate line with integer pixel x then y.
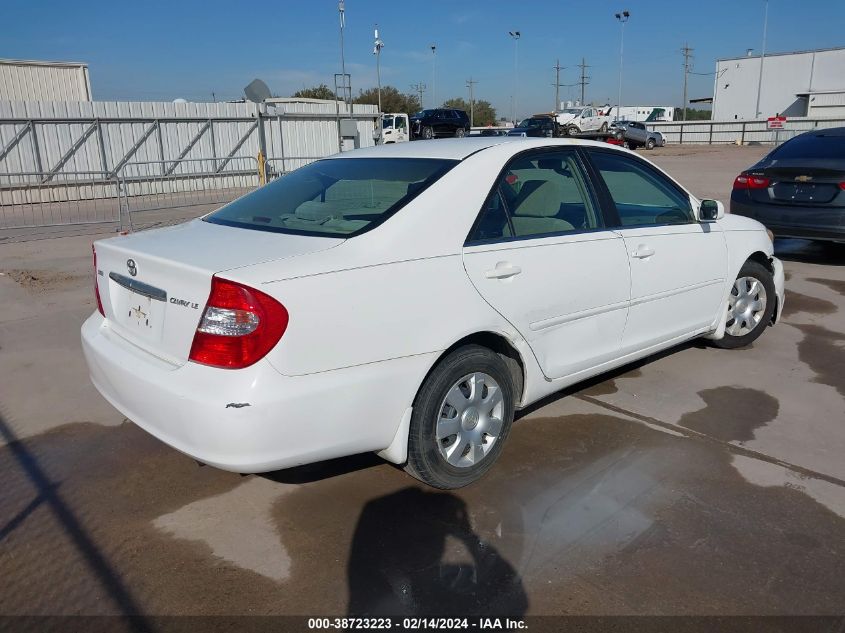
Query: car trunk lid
{"type": "Point", "coordinates": [801, 185]}
{"type": "Point", "coordinates": [154, 284]}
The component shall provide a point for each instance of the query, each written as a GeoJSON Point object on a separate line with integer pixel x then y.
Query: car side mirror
{"type": "Point", "coordinates": [711, 210]}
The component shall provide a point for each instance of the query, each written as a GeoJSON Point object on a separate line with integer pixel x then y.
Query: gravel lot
{"type": "Point", "coordinates": [700, 481]}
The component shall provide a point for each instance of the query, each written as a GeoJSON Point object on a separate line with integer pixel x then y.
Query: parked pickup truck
{"type": "Point", "coordinates": [583, 119]}
{"type": "Point", "coordinates": [635, 134]}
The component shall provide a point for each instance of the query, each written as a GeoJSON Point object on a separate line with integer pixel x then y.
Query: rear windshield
{"type": "Point", "coordinates": [819, 146]}
{"type": "Point", "coordinates": [340, 197]}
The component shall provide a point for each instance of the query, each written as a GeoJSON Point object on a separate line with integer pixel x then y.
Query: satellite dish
{"type": "Point", "coordinates": [257, 91]}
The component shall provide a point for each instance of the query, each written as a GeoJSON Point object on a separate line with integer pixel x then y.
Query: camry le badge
{"type": "Point", "coordinates": [131, 267]}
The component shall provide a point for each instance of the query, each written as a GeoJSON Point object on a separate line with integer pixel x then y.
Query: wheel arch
{"type": "Point", "coordinates": [498, 343]}
{"type": "Point", "coordinates": [397, 451]}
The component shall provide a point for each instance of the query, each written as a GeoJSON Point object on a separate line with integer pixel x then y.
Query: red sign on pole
{"type": "Point", "coordinates": [775, 122]}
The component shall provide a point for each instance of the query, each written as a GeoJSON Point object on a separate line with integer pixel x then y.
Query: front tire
{"type": "Point", "coordinates": [572, 130]}
{"type": "Point", "coordinates": [462, 416]}
{"type": "Point", "coordinates": [751, 304]}
{"type": "Point", "coordinates": [428, 133]}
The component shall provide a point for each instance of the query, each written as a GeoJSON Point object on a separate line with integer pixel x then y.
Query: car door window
{"type": "Point", "coordinates": [642, 196]}
{"type": "Point", "coordinates": [546, 193]}
{"type": "Point", "coordinates": [493, 223]}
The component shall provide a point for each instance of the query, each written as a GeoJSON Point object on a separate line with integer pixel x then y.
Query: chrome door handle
{"type": "Point", "coordinates": [503, 270]}
{"type": "Point", "coordinates": [642, 252]}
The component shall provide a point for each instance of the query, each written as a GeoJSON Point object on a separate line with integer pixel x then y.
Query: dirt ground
{"type": "Point", "coordinates": [700, 481]}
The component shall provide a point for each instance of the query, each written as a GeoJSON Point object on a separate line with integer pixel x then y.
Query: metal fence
{"type": "Point", "coordinates": [33, 200]}
{"type": "Point", "coordinates": [737, 132]}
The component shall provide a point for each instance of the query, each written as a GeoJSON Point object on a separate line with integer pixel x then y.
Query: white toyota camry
{"type": "Point", "coordinates": [407, 299]}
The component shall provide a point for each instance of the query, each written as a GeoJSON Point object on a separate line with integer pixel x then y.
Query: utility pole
{"type": "Point", "coordinates": [433, 76]}
{"type": "Point", "coordinates": [757, 112]}
{"type": "Point", "coordinates": [470, 84]}
{"type": "Point", "coordinates": [583, 66]}
{"type": "Point", "coordinates": [515, 35]}
{"type": "Point", "coordinates": [419, 88]}
{"type": "Point", "coordinates": [213, 97]}
{"type": "Point", "coordinates": [687, 53]}
{"type": "Point", "coordinates": [622, 18]}
{"type": "Point", "coordinates": [377, 46]}
{"type": "Point", "coordinates": [557, 68]}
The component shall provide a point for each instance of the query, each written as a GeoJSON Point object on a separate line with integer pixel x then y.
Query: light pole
{"type": "Point", "coordinates": [434, 75]}
{"type": "Point", "coordinates": [515, 35]}
{"type": "Point", "coordinates": [623, 18]}
{"type": "Point", "coordinates": [378, 45]}
{"type": "Point", "coordinates": [470, 83]}
{"type": "Point", "coordinates": [757, 112]}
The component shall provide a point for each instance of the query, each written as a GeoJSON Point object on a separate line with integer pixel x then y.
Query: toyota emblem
{"type": "Point", "coordinates": [130, 265]}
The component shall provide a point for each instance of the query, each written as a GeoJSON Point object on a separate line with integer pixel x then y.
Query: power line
{"type": "Point", "coordinates": [583, 66]}
{"type": "Point", "coordinates": [470, 84]}
{"type": "Point", "coordinates": [419, 89]}
{"type": "Point", "coordinates": [686, 51]}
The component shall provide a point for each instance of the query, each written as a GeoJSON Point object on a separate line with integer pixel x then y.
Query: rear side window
{"type": "Point", "coordinates": [339, 197]}
{"type": "Point", "coordinates": [812, 146]}
{"type": "Point", "coordinates": [543, 194]}
{"type": "Point", "coordinates": [642, 196]}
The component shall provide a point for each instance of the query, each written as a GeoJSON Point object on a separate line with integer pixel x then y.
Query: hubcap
{"type": "Point", "coordinates": [746, 306]}
{"type": "Point", "coordinates": [470, 420]}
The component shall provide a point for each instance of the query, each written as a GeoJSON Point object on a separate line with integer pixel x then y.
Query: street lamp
{"type": "Point", "coordinates": [434, 75]}
{"type": "Point", "coordinates": [757, 112]}
{"type": "Point", "coordinates": [377, 46]}
{"type": "Point", "coordinates": [623, 18]}
{"type": "Point", "coordinates": [515, 35]}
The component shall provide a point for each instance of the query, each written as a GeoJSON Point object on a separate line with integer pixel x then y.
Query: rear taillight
{"type": "Point", "coordinates": [745, 181]}
{"type": "Point", "coordinates": [96, 285]}
{"type": "Point", "coordinates": [238, 327]}
{"type": "Point", "coordinates": [842, 185]}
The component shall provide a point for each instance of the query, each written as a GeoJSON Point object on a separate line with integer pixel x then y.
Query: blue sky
{"type": "Point", "coordinates": [162, 50]}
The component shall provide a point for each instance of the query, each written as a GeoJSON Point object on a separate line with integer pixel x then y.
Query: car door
{"type": "Point", "coordinates": [541, 255]}
{"type": "Point", "coordinates": [678, 265]}
{"type": "Point", "coordinates": [586, 120]}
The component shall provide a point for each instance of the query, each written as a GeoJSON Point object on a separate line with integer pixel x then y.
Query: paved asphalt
{"type": "Point", "coordinates": [701, 481]}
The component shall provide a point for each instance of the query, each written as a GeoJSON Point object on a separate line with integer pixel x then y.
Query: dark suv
{"type": "Point", "coordinates": [439, 122]}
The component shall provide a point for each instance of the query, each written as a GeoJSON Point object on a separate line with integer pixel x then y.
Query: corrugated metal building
{"type": "Point", "coordinates": [22, 80]}
{"type": "Point", "coordinates": [806, 83]}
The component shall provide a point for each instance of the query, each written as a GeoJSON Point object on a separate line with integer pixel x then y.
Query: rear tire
{"type": "Point", "coordinates": [751, 304]}
{"type": "Point", "coordinates": [469, 392]}
{"type": "Point", "coordinates": [649, 144]}
{"type": "Point", "coordinates": [460, 132]}
{"type": "Point", "coordinates": [603, 128]}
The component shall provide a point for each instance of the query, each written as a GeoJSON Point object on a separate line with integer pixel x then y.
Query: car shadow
{"type": "Point", "coordinates": [810, 252]}
{"type": "Point", "coordinates": [319, 471]}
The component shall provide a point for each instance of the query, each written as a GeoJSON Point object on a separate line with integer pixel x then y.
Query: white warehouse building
{"type": "Point", "coordinates": [26, 80]}
{"type": "Point", "coordinates": [800, 84]}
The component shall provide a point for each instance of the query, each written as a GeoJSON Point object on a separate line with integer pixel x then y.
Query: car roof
{"type": "Point", "coordinates": [460, 148]}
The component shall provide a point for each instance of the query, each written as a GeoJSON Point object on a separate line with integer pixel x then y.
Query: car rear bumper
{"type": "Point", "coordinates": [794, 221]}
{"type": "Point", "coordinates": [253, 419]}
{"type": "Point", "coordinates": [780, 286]}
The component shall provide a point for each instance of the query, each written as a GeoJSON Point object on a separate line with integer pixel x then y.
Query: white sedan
{"type": "Point", "coordinates": [406, 299]}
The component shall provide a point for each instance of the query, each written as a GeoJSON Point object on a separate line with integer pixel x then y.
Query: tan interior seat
{"type": "Point", "coordinates": [535, 208]}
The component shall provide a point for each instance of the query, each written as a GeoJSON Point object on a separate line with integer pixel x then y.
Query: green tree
{"type": "Point", "coordinates": [693, 114]}
{"type": "Point", "coordinates": [315, 92]}
{"type": "Point", "coordinates": [483, 112]}
{"type": "Point", "coordinates": [392, 100]}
